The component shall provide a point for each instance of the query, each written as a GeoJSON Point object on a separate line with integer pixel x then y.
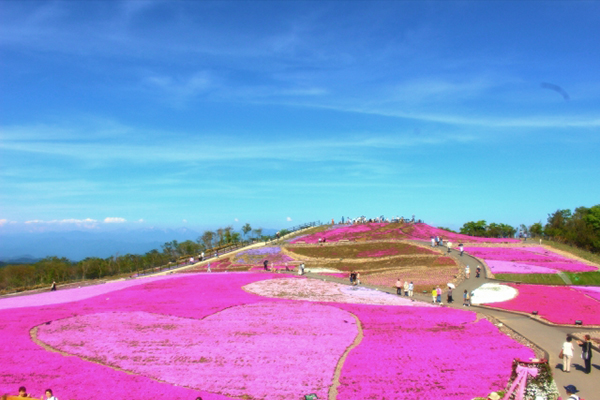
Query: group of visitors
{"type": "Point", "coordinates": [437, 241]}
{"type": "Point", "coordinates": [364, 220]}
{"type": "Point", "coordinates": [48, 393]}
{"type": "Point", "coordinates": [355, 278]}
{"type": "Point", "coordinates": [586, 353]}
{"type": "Point", "coordinates": [408, 288]}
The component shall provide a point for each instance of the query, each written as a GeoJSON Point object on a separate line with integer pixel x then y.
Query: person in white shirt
{"type": "Point", "coordinates": [49, 395]}
{"type": "Point", "coordinates": [411, 287]}
{"type": "Point", "coordinates": [567, 351]}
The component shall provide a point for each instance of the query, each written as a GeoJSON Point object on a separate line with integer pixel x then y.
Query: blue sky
{"type": "Point", "coordinates": [206, 114]}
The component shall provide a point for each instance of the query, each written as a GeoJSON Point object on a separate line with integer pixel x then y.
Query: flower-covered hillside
{"type": "Point", "coordinates": [185, 336]}
{"type": "Point", "coordinates": [392, 231]}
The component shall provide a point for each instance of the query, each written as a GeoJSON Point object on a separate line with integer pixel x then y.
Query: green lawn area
{"type": "Point", "coordinates": [585, 278]}
{"type": "Point", "coordinates": [541, 279]}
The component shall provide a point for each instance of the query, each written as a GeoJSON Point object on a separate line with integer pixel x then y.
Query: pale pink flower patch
{"type": "Point", "coordinates": [316, 290]}
{"type": "Point", "coordinates": [262, 351]}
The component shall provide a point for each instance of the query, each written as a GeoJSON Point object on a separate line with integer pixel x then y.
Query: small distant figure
{"type": "Point", "coordinates": [202, 256]}
{"type": "Point", "coordinates": [468, 272]}
{"type": "Point", "coordinates": [53, 287]}
{"type": "Point", "coordinates": [208, 268]}
{"type": "Point", "coordinates": [433, 242]}
{"type": "Point", "coordinates": [449, 245]}
{"type": "Point", "coordinates": [266, 265]}
{"type": "Point", "coordinates": [439, 295]}
{"type": "Point", "coordinates": [50, 395]}
{"type": "Point", "coordinates": [411, 288]}
{"type": "Point", "coordinates": [399, 287]}
{"type": "Point", "coordinates": [449, 298]}
{"type": "Point", "coordinates": [433, 295]}
{"type": "Point", "coordinates": [461, 248]}
{"type": "Point", "coordinates": [478, 271]}
{"type": "Point", "coordinates": [466, 299]}
{"type": "Point", "coordinates": [406, 286]}
{"type": "Point", "coordinates": [358, 277]}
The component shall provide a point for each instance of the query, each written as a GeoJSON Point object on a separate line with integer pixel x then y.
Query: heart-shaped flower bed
{"type": "Point", "coordinates": [267, 350]}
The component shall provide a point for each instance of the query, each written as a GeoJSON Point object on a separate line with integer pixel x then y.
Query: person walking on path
{"type": "Point", "coordinates": [567, 354]}
{"type": "Point", "coordinates": [406, 285]}
{"type": "Point", "coordinates": [358, 277]}
{"type": "Point", "coordinates": [208, 268]}
{"type": "Point", "coordinates": [432, 241]}
{"type": "Point", "coordinates": [586, 353]}
{"type": "Point", "coordinates": [433, 295]}
{"type": "Point", "coordinates": [468, 272]}
{"type": "Point", "coordinates": [461, 248]}
{"type": "Point", "coordinates": [466, 299]}
{"type": "Point", "coordinates": [399, 287]}
{"type": "Point", "coordinates": [449, 245]}
{"type": "Point", "coordinates": [411, 288]}
{"type": "Point", "coordinates": [266, 264]}
{"type": "Point", "coordinates": [450, 299]}
{"type": "Point", "coordinates": [439, 295]}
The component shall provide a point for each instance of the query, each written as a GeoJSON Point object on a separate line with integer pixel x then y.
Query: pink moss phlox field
{"type": "Point", "coordinates": [509, 267]}
{"type": "Point", "coordinates": [523, 255]}
{"type": "Point", "coordinates": [237, 352]}
{"type": "Point", "coordinates": [377, 253]}
{"type": "Point", "coordinates": [403, 349]}
{"type": "Point", "coordinates": [315, 290]}
{"type": "Point", "coordinates": [425, 232]}
{"type": "Point", "coordinates": [75, 294]}
{"type": "Point", "coordinates": [426, 353]}
{"type": "Point", "coordinates": [557, 304]}
{"type": "Point", "coordinates": [256, 256]}
{"type": "Point", "coordinates": [189, 296]}
{"type": "Point", "coordinates": [592, 291]}
{"type": "Point", "coordinates": [338, 233]}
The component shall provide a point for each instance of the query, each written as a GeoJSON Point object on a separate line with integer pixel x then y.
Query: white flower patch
{"type": "Point", "coordinates": [493, 293]}
{"type": "Point", "coordinates": [324, 271]}
{"type": "Point", "coordinates": [317, 290]}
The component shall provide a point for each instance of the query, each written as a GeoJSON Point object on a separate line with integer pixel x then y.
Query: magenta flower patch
{"type": "Point", "coordinates": [422, 353]}
{"type": "Point", "coordinates": [557, 304]}
{"type": "Point", "coordinates": [509, 267]}
{"type": "Point", "coordinates": [262, 351]}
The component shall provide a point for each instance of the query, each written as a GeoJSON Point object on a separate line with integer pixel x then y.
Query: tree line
{"type": "Point", "coordinates": [61, 270]}
{"type": "Point", "coordinates": [580, 228]}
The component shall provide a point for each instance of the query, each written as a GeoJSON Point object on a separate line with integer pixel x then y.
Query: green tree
{"type": "Point", "coordinates": [246, 228]}
{"type": "Point", "coordinates": [207, 238]}
{"type": "Point", "coordinates": [536, 229]}
{"type": "Point", "coordinates": [472, 228]}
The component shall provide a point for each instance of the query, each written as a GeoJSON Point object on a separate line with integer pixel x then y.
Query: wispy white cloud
{"type": "Point", "coordinates": [114, 220]}
{"type": "Point", "coordinates": [3, 221]}
{"type": "Point", "coordinates": [288, 219]}
{"type": "Point", "coordinates": [63, 221]}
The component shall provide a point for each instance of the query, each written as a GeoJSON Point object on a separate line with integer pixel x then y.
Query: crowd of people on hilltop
{"type": "Point", "coordinates": [364, 220]}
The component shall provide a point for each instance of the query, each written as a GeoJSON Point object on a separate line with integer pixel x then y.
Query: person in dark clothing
{"type": "Point", "coordinates": [586, 353]}
{"type": "Point", "coordinates": [266, 264]}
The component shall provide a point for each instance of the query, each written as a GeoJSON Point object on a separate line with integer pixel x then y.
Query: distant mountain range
{"type": "Point", "coordinates": [77, 245]}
